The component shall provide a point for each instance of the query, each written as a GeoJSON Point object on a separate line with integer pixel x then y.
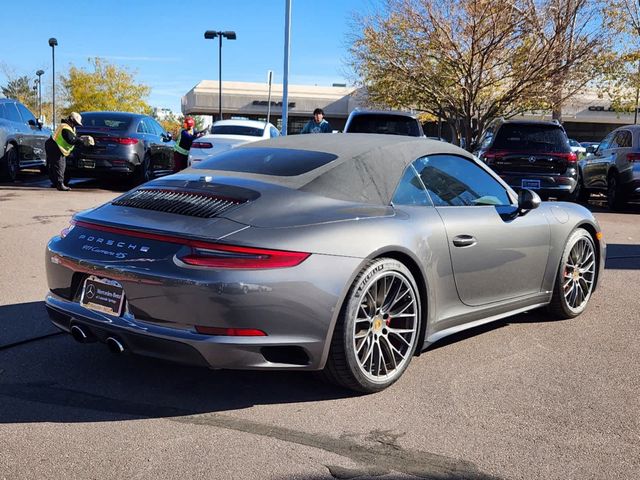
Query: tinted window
{"type": "Point", "coordinates": [26, 114]}
{"type": "Point", "coordinates": [280, 162]}
{"type": "Point", "coordinates": [142, 128]}
{"type": "Point", "coordinates": [155, 126]}
{"type": "Point", "coordinates": [237, 130]}
{"type": "Point", "coordinates": [410, 190]}
{"type": "Point", "coordinates": [623, 139]}
{"type": "Point", "coordinates": [604, 144]}
{"type": "Point", "coordinates": [11, 113]}
{"type": "Point", "coordinates": [456, 181]}
{"type": "Point", "coordinates": [386, 124]}
{"type": "Point", "coordinates": [106, 121]}
{"type": "Point", "coordinates": [531, 138]}
{"type": "Point", "coordinates": [273, 131]}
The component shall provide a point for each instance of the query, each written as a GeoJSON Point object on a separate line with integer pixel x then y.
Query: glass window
{"type": "Point", "coordinates": [3, 114]}
{"type": "Point", "coordinates": [532, 138]}
{"type": "Point", "coordinates": [604, 144]}
{"type": "Point", "coordinates": [26, 114]}
{"type": "Point", "coordinates": [282, 162]}
{"type": "Point", "coordinates": [142, 128]}
{"type": "Point", "coordinates": [410, 190]}
{"type": "Point", "coordinates": [237, 130]}
{"type": "Point", "coordinates": [107, 121]}
{"type": "Point", "coordinates": [457, 181]}
{"type": "Point", "coordinates": [156, 127]}
{"type": "Point", "coordinates": [11, 113]}
{"type": "Point", "coordinates": [273, 131]}
{"type": "Point", "coordinates": [384, 123]}
{"type": "Point", "coordinates": [623, 139]}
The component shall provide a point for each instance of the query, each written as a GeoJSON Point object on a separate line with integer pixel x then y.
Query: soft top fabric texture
{"type": "Point", "coordinates": [367, 167]}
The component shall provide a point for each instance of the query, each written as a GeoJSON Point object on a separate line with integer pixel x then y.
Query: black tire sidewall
{"type": "Point", "coordinates": [10, 164]}
{"type": "Point", "coordinates": [571, 241]}
{"type": "Point", "coordinates": [364, 279]}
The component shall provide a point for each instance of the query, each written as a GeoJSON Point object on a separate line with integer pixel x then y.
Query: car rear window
{"type": "Point", "coordinates": [386, 124]}
{"type": "Point", "coordinates": [531, 138]}
{"type": "Point", "coordinates": [108, 122]}
{"type": "Point", "coordinates": [279, 162]}
{"type": "Point", "coordinates": [237, 130]}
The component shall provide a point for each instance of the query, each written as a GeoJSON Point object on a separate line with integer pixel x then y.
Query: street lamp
{"type": "Point", "coordinates": [39, 73]}
{"type": "Point", "coordinates": [209, 35]}
{"type": "Point", "coordinates": [52, 43]}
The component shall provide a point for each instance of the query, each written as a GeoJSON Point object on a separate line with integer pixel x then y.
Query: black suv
{"type": "Point", "coordinates": [22, 140]}
{"type": "Point", "coordinates": [533, 155]}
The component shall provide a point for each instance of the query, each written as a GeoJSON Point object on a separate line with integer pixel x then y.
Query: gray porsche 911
{"type": "Point", "coordinates": [346, 253]}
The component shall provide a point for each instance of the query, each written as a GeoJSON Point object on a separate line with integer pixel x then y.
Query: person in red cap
{"type": "Point", "coordinates": [183, 144]}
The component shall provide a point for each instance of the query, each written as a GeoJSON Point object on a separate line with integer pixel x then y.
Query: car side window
{"type": "Point", "coordinates": [142, 128]}
{"type": "Point", "coordinates": [454, 181]}
{"type": "Point", "coordinates": [156, 128]}
{"type": "Point", "coordinates": [2, 111]}
{"type": "Point", "coordinates": [12, 113]}
{"type": "Point", "coordinates": [604, 144]}
{"type": "Point", "coordinates": [623, 139]}
{"type": "Point", "coordinates": [274, 132]}
{"type": "Point", "coordinates": [410, 190]}
{"type": "Point", "coordinates": [26, 114]}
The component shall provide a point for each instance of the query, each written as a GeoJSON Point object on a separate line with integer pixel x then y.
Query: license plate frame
{"type": "Point", "coordinates": [87, 163]}
{"type": "Point", "coordinates": [103, 295]}
{"type": "Point", "coordinates": [532, 184]}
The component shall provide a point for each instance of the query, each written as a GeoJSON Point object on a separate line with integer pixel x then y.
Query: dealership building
{"type": "Point", "coordinates": [586, 117]}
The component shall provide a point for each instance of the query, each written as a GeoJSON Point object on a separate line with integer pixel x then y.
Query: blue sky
{"type": "Point", "coordinates": [163, 41]}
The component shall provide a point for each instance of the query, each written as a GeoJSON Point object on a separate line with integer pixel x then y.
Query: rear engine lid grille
{"type": "Point", "coordinates": [194, 204]}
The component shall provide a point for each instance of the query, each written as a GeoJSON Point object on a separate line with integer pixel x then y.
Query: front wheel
{"type": "Point", "coordinates": [9, 164]}
{"type": "Point", "coordinates": [576, 276]}
{"type": "Point", "coordinates": [377, 331]}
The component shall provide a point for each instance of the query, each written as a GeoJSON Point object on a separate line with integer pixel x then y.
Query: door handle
{"type": "Point", "coordinates": [464, 241]}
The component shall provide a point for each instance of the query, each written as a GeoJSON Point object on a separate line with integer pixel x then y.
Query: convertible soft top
{"type": "Point", "coordinates": [353, 167]}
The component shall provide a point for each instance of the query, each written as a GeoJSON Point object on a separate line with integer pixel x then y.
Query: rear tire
{"type": "Point", "coordinates": [615, 196]}
{"type": "Point", "coordinates": [377, 331]}
{"type": "Point", "coordinates": [143, 174]}
{"type": "Point", "coordinates": [575, 277]}
{"type": "Point", "coordinates": [9, 164]}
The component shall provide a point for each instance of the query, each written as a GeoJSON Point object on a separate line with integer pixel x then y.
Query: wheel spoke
{"type": "Point", "coordinates": [392, 350]}
{"type": "Point", "coordinates": [401, 338]}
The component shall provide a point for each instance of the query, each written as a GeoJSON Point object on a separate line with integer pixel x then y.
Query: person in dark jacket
{"type": "Point", "coordinates": [60, 145]}
{"type": "Point", "coordinates": [317, 124]}
{"type": "Point", "coordinates": [184, 142]}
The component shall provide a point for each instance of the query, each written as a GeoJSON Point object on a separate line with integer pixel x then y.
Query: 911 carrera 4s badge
{"type": "Point", "coordinates": [102, 295]}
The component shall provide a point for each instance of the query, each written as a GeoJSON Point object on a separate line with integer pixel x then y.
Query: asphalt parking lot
{"type": "Point", "coordinates": [519, 399]}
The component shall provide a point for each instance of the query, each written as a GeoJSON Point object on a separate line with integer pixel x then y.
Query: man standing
{"type": "Point", "coordinates": [318, 124]}
{"type": "Point", "coordinates": [60, 145]}
{"type": "Point", "coordinates": [183, 144]}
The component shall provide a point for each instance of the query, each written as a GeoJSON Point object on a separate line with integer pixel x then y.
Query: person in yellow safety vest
{"type": "Point", "coordinates": [183, 144]}
{"type": "Point", "coordinates": [60, 145]}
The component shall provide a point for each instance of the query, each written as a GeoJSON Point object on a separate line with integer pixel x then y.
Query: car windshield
{"type": "Point", "coordinates": [280, 162]}
{"type": "Point", "coordinates": [237, 130]}
{"type": "Point", "coordinates": [106, 121]}
{"type": "Point", "coordinates": [386, 124]}
{"type": "Point", "coordinates": [531, 138]}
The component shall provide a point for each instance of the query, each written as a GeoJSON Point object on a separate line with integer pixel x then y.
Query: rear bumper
{"type": "Point", "coordinates": [549, 184]}
{"type": "Point", "coordinates": [95, 166]}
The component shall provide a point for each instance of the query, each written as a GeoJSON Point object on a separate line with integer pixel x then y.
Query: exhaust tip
{"type": "Point", "coordinates": [114, 345]}
{"type": "Point", "coordinates": [79, 335]}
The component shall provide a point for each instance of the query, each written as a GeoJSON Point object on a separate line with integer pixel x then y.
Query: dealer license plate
{"type": "Point", "coordinates": [102, 295]}
{"type": "Point", "coordinates": [532, 184]}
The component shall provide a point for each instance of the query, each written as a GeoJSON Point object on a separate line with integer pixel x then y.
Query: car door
{"type": "Point", "coordinates": [34, 137]}
{"type": "Point", "coordinates": [623, 140]}
{"type": "Point", "coordinates": [496, 254]}
{"type": "Point", "coordinates": [604, 156]}
{"type": "Point", "coordinates": [164, 146]}
{"type": "Point", "coordinates": [18, 130]}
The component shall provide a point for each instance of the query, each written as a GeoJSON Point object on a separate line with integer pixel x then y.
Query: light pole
{"type": "Point", "coordinates": [39, 73]}
{"type": "Point", "coordinates": [52, 43]}
{"type": "Point", "coordinates": [285, 79]}
{"type": "Point", "coordinates": [209, 35]}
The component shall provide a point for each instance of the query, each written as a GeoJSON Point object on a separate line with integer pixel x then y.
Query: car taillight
{"type": "Point", "coordinates": [489, 156]}
{"type": "Point", "coordinates": [227, 256]}
{"type": "Point", "coordinates": [572, 157]}
{"type": "Point", "coordinates": [126, 140]}
{"type": "Point", "coordinates": [215, 255]}
{"type": "Point", "coordinates": [633, 157]}
{"type": "Point", "coordinates": [230, 332]}
{"type": "Point", "coordinates": [202, 145]}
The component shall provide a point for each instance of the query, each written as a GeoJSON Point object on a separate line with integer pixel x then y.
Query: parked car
{"type": "Point", "coordinates": [614, 167]}
{"type": "Point", "coordinates": [226, 134]}
{"type": "Point", "coordinates": [127, 145]}
{"type": "Point", "coordinates": [348, 256]}
{"type": "Point", "coordinates": [22, 139]}
{"type": "Point", "coordinates": [534, 155]}
{"type": "Point", "coordinates": [385, 122]}
{"type": "Point", "coordinates": [593, 145]}
{"type": "Point", "coordinates": [577, 148]}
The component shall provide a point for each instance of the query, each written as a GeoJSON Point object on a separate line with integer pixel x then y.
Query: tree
{"type": "Point", "coordinates": [107, 87]}
{"type": "Point", "coordinates": [468, 61]}
{"type": "Point", "coordinates": [19, 89]}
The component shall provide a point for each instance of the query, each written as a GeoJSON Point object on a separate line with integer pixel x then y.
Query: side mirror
{"type": "Point", "coordinates": [527, 200]}
{"type": "Point", "coordinates": [167, 137]}
{"type": "Point", "coordinates": [32, 123]}
{"type": "Point", "coordinates": [591, 149]}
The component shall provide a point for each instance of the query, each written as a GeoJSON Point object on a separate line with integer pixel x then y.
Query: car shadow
{"type": "Point", "coordinates": [34, 180]}
{"type": "Point", "coordinates": [623, 256]}
{"type": "Point", "coordinates": [48, 377]}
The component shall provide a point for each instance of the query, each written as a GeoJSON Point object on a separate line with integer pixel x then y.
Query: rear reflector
{"type": "Point", "coordinates": [230, 332]}
{"type": "Point", "coordinates": [202, 145]}
{"type": "Point", "coordinates": [120, 140]}
{"type": "Point", "coordinates": [214, 255]}
{"type": "Point", "coordinates": [633, 157]}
